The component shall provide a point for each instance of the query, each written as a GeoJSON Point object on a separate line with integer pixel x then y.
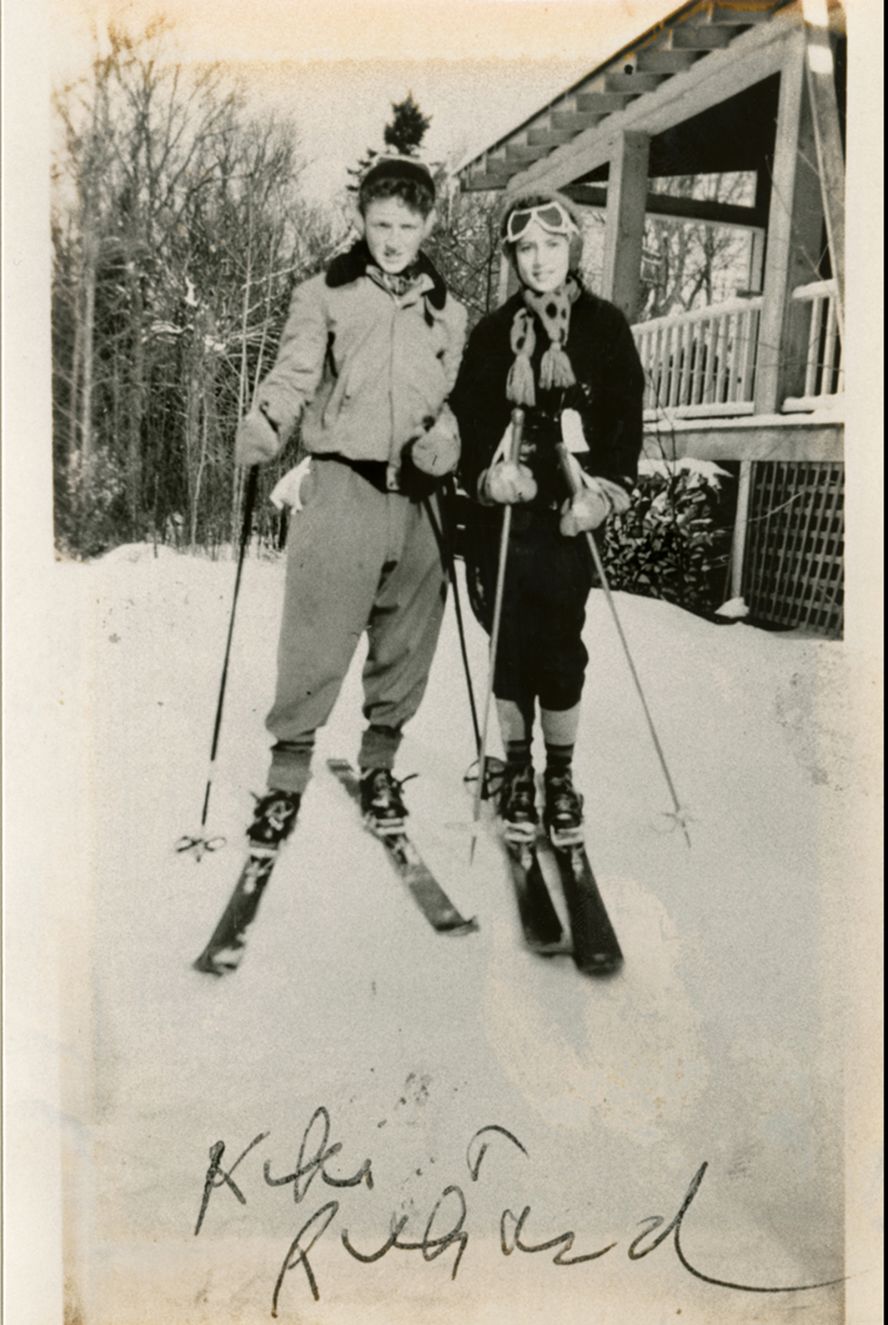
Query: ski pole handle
{"type": "Point", "coordinates": [517, 434]}
{"type": "Point", "coordinates": [568, 469]}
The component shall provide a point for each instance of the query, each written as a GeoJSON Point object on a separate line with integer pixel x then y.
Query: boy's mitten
{"type": "Point", "coordinates": [436, 451]}
{"type": "Point", "coordinates": [506, 483]}
{"type": "Point", "coordinates": [585, 511]}
{"type": "Point", "coordinates": [257, 440]}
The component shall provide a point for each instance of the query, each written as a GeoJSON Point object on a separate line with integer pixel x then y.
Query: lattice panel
{"type": "Point", "coordinates": [794, 566]}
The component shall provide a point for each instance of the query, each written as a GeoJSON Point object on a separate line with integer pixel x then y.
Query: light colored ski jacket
{"type": "Point", "coordinates": [371, 370]}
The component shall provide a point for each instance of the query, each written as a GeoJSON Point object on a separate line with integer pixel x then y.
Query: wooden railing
{"type": "Point", "coordinates": [702, 362]}
{"type": "Point", "coordinates": [824, 375]}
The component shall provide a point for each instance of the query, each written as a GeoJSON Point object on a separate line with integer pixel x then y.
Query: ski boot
{"type": "Point", "coordinates": [381, 801]}
{"type": "Point", "coordinates": [517, 804]}
{"type": "Point", "coordinates": [563, 812]}
{"type": "Point", "coordinates": [273, 820]}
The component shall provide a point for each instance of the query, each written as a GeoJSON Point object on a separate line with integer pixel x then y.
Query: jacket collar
{"type": "Point", "coordinates": [352, 264]}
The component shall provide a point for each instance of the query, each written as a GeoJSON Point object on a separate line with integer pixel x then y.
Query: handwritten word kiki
{"type": "Point", "coordinates": [445, 1229]}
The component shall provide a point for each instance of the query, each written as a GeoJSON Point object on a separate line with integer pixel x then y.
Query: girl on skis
{"type": "Point", "coordinates": [568, 360]}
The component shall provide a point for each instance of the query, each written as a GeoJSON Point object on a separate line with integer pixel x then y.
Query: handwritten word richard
{"type": "Point", "coordinates": [446, 1228]}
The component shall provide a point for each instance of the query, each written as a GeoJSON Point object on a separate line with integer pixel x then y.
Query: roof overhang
{"type": "Point", "coordinates": [696, 35]}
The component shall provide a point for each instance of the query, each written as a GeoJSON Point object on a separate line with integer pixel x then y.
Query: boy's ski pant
{"type": "Point", "coordinates": [358, 559]}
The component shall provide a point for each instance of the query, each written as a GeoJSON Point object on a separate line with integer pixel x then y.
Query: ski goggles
{"type": "Point", "coordinates": [550, 215]}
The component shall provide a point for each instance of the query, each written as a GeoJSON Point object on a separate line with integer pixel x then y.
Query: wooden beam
{"type": "Point", "coordinates": [550, 137]}
{"type": "Point", "coordinates": [575, 120]}
{"type": "Point", "coordinates": [688, 38]}
{"type": "Point", "coordinates": [624, 226]}
{"type": "Point", "coordinates": [705, 211]}
{"type": "Point", "coordinates": [685, 209]}
{"type": "Point", "coordinates": [756, 276]}
{"type": "Point", "coordinates": [523, 152]}
{"type": "Point", "coordinates": [753, 56]}
{"type": "Point", "coordinates": [656, 61]}
{"type": "Point", "coordinates": [712, 439]}
{"type": "Point", "coordinates": [484, 183]}
{"type": "Point", "coordinates": [602, 103]}
{"type": "Point", "coordinates": [587, 195]}
{"type": "Point", "coordinates": [794, 228]}
{"type": "Point", "coordinates": [633, 84]}
{"type": "Point", "coordinates": [492, 173]}
{"type": "Point", "coordinates": [820, 78]}
{"type": "Point", "coordinates": [702, 210]}
{"type": "Point", "coordinates": [741, 15]}
{"type": "Point", "coordinates": [663, 56]}
{"type": "Point", "coordinates": [741, 524]}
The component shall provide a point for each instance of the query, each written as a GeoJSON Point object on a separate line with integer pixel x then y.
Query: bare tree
{"type": "Point", "coordinates": [690, 263]}
{"type": "Point", "coordinates": [179, 230]}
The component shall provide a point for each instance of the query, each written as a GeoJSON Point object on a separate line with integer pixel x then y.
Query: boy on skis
{"type": "Point", "coordinates": [553, 347]}
{"type": "Point", "coordinates": [367, 358]}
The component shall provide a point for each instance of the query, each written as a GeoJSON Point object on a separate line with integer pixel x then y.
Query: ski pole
{"type": "Point", "coordinates": [569, 470]}
{"type": "Point", "coordinates": [201, 843]}
{"type": "Point", "coordinates": [514, 452]}
{"type": "Point", "coordinates": [447, 556]}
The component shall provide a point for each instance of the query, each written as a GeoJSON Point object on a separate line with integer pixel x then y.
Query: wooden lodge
{"type": "Point", "coordinates": [754, 381]}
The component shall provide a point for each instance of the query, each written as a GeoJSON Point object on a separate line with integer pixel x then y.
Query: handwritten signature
{"type": "Point", "coordinates": [445, 1228]}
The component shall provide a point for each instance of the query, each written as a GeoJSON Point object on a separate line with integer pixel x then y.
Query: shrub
{"type": "Point", "coordinates": [90, 506]}
{"type": "Point", "coordinates": [670, 543]}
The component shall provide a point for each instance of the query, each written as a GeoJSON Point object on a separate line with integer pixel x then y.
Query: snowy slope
{"type": "Point", "coordinates": [720, 1042]}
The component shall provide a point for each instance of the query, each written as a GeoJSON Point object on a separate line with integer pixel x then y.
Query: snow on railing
{"type": "Point", "coordinates": [824, 373]}
{"type": "Point", "coordinates": [701, 363]}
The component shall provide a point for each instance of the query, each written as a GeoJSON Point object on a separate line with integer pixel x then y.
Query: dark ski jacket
{"type": "Point", "coordinates": [607, 395]}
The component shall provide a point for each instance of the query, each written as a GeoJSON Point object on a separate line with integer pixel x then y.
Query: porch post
{"type": "Point", "coordinates": [795, 218]}
{"type": "Point", "coordinates": [624, 224]}
{"type": "Point", "coordinates": [756, 261]}
{"type": "Point", "coordinates": [738, 545]}
{"type": "Point", "coordinates": [830, 157]}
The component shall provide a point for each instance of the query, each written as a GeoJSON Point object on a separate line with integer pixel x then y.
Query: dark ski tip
{"type": "Point", "coordinates": [596, 947]}
{"type": "Point", "coordinates": [460, 926]}
{"type": "Point", "coordinates": [209, 965]}
{"type": "Point", "coordinates": [599, 963]}
{"type": "Point", "coordinates": [540, 923]}
{"type": "Point", "coordinates": [559, 949]}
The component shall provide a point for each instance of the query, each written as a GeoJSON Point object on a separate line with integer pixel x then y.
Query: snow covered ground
{"type": "Point", "coordinates": [720, 1043]}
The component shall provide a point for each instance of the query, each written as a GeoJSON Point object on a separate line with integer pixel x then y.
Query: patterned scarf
{"type": "Point", "coordinates": [397, 283]}
{"type": "Point", "coordinates": [553, 310]}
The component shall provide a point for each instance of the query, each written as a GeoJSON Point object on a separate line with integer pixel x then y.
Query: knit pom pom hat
{"type": "Point", "coordinates": [393, 173]}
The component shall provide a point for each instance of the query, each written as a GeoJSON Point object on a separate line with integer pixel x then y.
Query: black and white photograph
{"type": "Point", "coordinates": [442, 662]}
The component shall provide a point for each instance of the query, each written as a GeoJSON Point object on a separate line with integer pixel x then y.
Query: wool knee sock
{"type": "Point", "coordinates": [559, 733]}
{"type": "Point", "coordinates": [558, 759]}
{"type": "Point", "coordinates": [516, 731]}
